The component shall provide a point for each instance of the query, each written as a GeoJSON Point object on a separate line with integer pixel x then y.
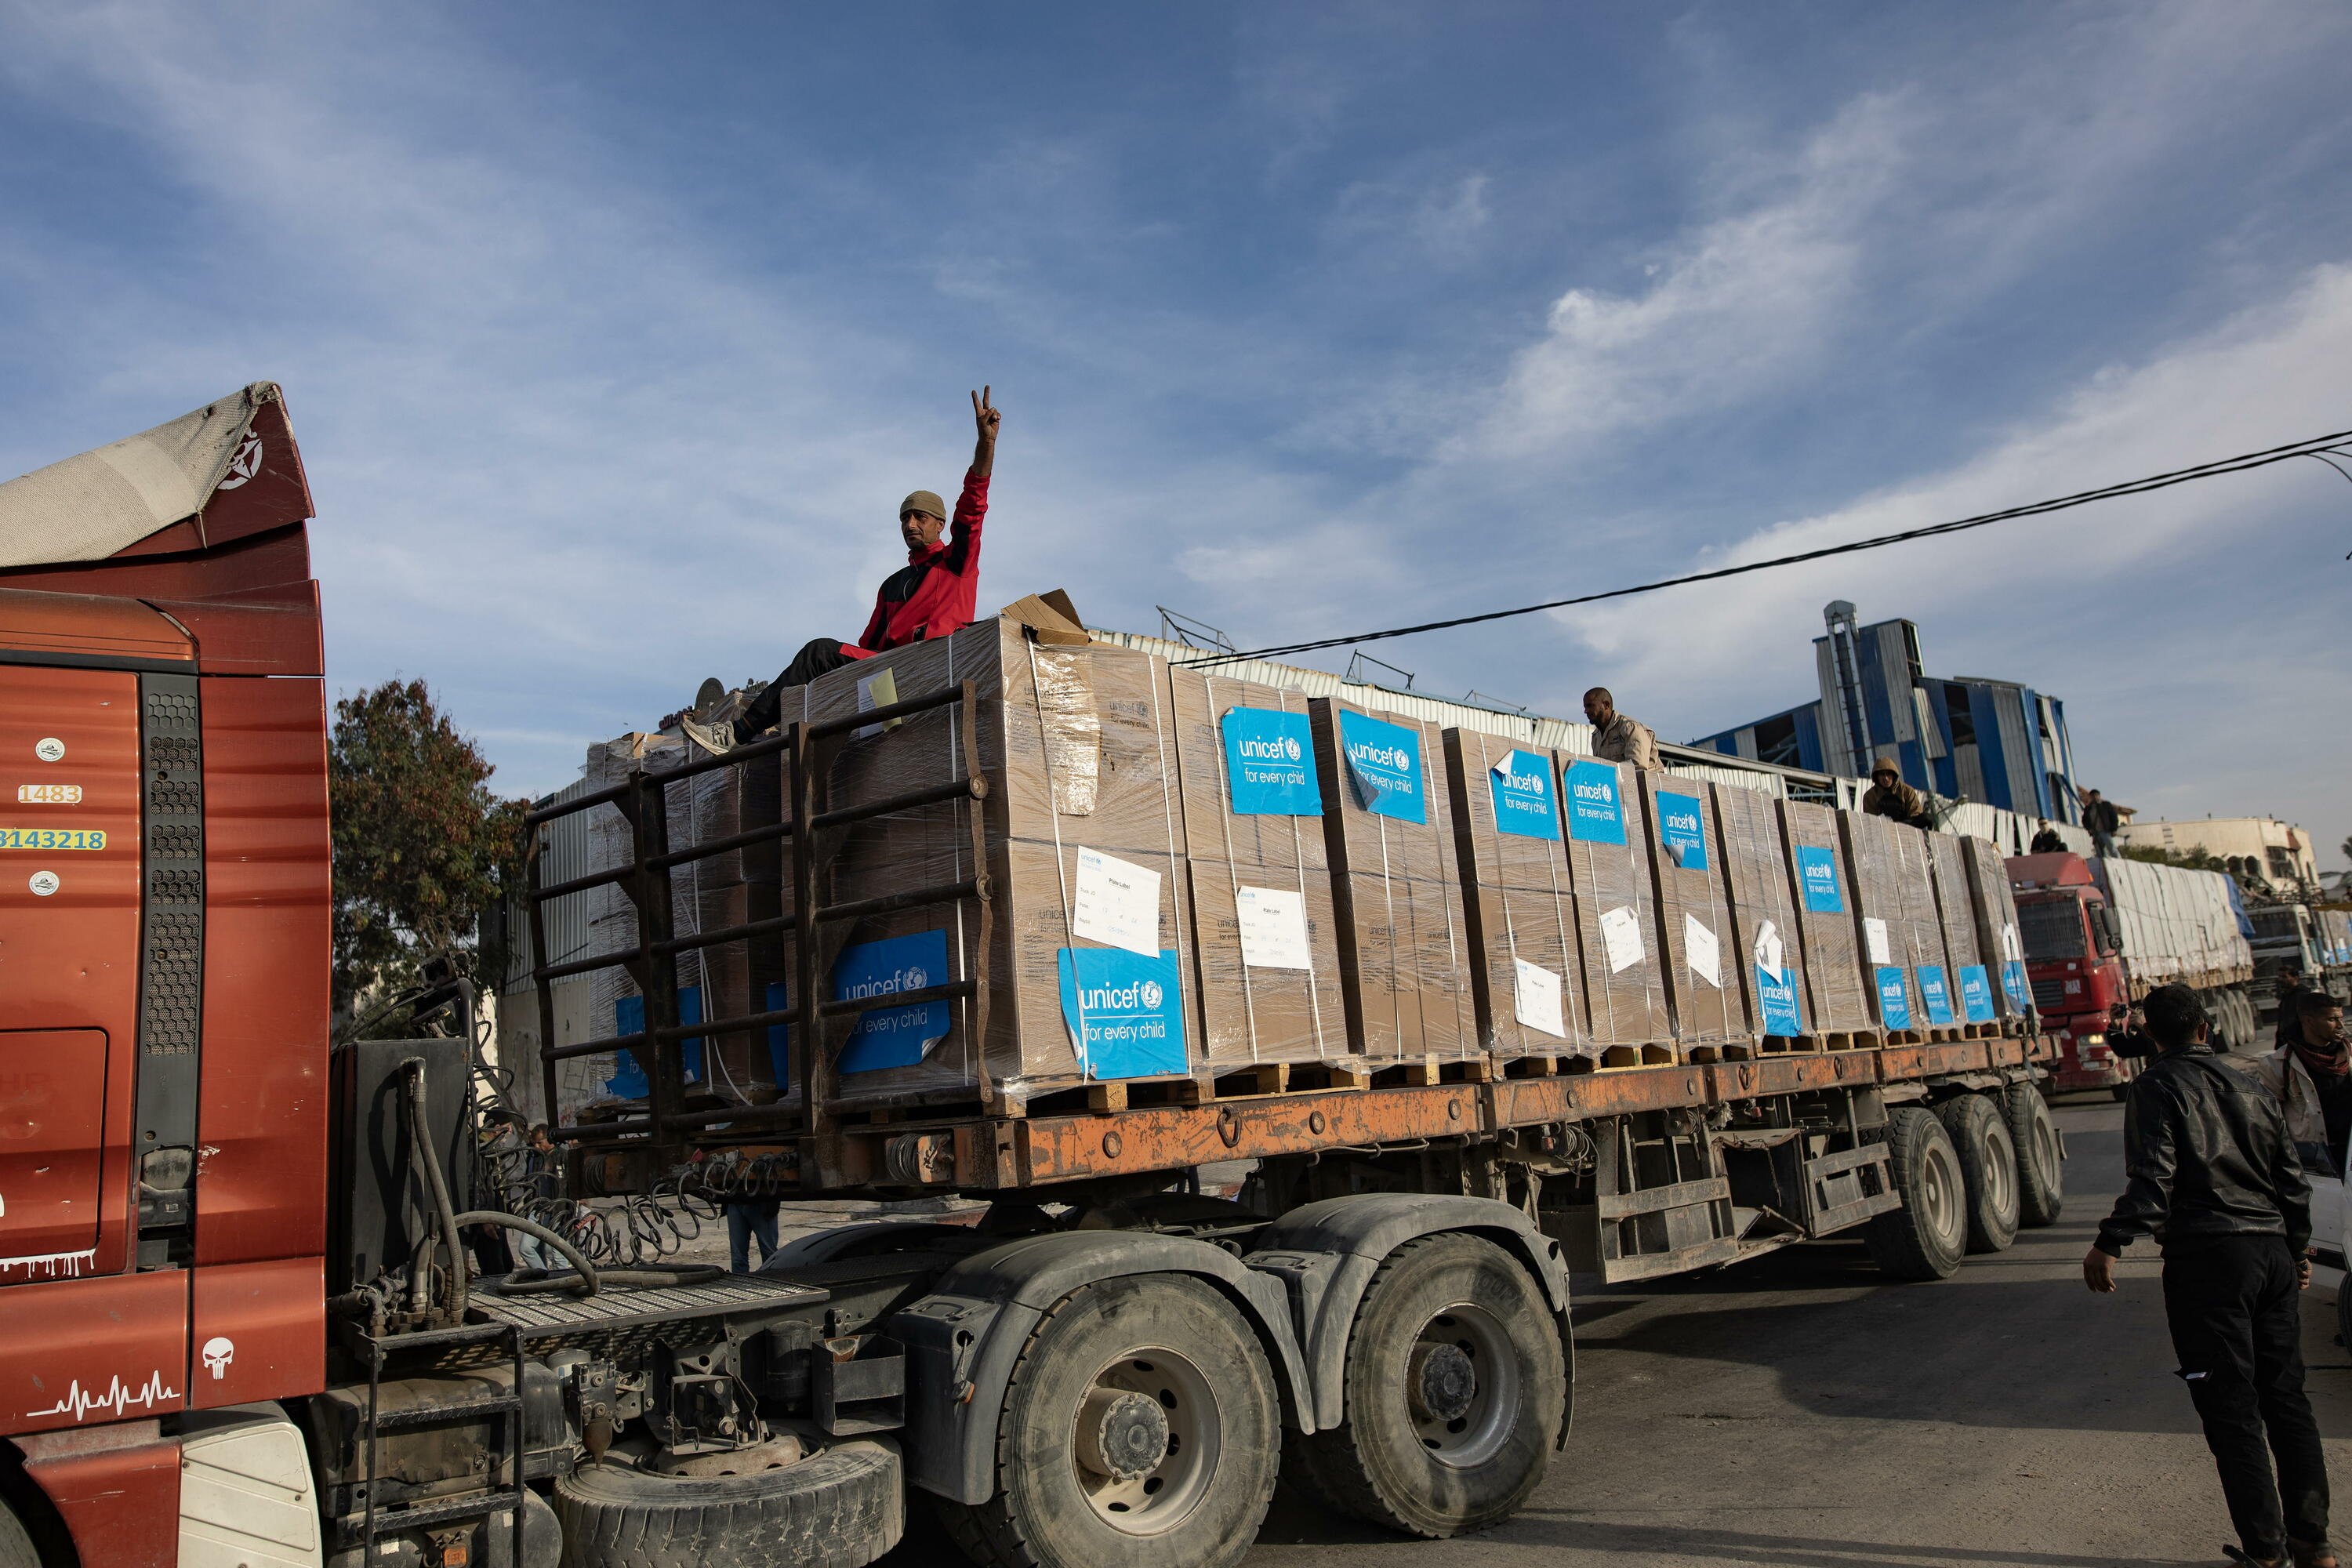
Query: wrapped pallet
{"type": "Point", "coordinates": [1527, 969]}
{"type": "Point", "coordinates": [1616, 913]}
{"type": "Point", "coordinates": [1767, 946]}
{"type": "Point", "coordinates": [1403, 953]}
{"type": "Point", "coordinates": [1992, 908]}
{"type": "Point", "coordinates": [1895, 910]}
{"type": "Point", "coordinates": [1694, 930]}
{"type": "Point", "coordinates": [1264, 934]}
{"type": "Point", "coordinates": [1085, 949]}
{"type": "Point", "coordinates": [1837, 986]}
{"type": "Point", "coordinates": [1969, 984]}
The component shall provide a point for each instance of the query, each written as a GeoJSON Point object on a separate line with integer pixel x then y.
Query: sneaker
{"type": "Point", "coordinates": [718, 739]}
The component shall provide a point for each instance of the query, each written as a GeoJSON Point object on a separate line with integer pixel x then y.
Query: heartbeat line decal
{"type": "Point", "coordinates": [117, 1398]}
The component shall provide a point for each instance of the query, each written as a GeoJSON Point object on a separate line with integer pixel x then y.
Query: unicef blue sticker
{"type": "Point", "coordinates": [1385, 761]}
{"type": "Point", "coordinates": [1817, 874]}
{"type": "Point", "coordinates": [1125, 1011]}
{"type": "Point", "coordinates": [1270, 763]}
{"type": "Point", "coordinates": [1893, 998]}
{"type": "Point", "coordinates": [2012, 981]}
{"type": "Point", "coordinates": [892, 1037]}
{"type": "Point", "coordinates": [1976, 993]}
{"type": "Point", "coordinates": [628, 1079]}
{"type": "Point", "coordinates": [1681, 831]}
{"type": "Point", "coordinates": [1521, 785]}
{"type": "Point", "coordinates": [1595, 813]}
{"type": "Point", "coordinates": [1933, 991]}
{"type": "Point", "coordinates": [1777, 999]}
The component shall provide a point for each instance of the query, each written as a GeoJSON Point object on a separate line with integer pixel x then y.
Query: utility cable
{"type": "Point", "coordinates": [2310, 448]}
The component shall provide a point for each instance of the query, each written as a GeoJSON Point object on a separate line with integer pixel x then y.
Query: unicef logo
{"type": "Point", "coordinates": [1290, 748]}
{"type": "Point", "coordinates": [915, 979]}
{"type": "Point", "coordinates": [1149, 993]}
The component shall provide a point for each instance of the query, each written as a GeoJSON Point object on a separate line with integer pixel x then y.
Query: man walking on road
{"type": "Point", "coordinates": [1619, 737]}
{"type": "Point", "coordinates": [2215, 1179]}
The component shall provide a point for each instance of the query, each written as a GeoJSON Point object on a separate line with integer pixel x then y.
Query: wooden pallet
{"type": "Point", "coordinates": [1653, 1054]}
{"type": "Point", "coordinates": [1547, 1066]}
{"type": "Point", "coordinates": [1794, 1044]}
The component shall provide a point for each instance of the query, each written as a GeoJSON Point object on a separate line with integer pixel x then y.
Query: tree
{"type": "Point", "coordinates": [421, 845]}
{"type": "Point", "coordinates": [2194, 859]}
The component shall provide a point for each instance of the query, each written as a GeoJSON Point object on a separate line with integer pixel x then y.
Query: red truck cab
{"type": "Point", "coordinates": [2073, 959]}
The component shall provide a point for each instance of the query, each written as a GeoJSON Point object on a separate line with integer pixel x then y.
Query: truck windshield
{"type": "Point", "coordinates": [2050, 928]}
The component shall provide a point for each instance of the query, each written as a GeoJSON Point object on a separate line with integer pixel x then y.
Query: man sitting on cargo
{"type": "Point", "coordinates": [2047, 841]}
{"type": "Point", "coordinates": [1889, 796]}
{"type": "Point", "coordinates": [1619, 737]}
{"type": "Point", "coordinates": [2311, 1073]}
{"type": "Point", "coordinates": [931, 595]}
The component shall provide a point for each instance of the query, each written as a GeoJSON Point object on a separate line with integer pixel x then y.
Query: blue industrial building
{"type": "Point", "coordinates": [1963, 738]}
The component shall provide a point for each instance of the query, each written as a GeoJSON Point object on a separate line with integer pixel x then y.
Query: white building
{"type": "Point", "coordinates": [2280, 853]}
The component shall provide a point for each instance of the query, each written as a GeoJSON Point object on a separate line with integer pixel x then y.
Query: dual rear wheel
{"type": "Point", "coordinates": [1971, 1172]}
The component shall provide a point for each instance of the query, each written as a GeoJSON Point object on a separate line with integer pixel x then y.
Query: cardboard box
{"type": "Point", "coordinates": [1767, 939]}
{"type": "Point", "coordinates": [1509, 846]}
{"type": "Point", "coordinates": [1264, 926]}
{"type": "Point", "coordinates": [1695, 932]}
{"type": "Point", "coordinates": [1992, 903]}
{"type": "Point", "coordinates": [1895, 912]}
{"type": "Point", "coordinates": [1837, 989]}
{"type": "Point", "coordinates": [1615, 902]}
{"type": "Point", "coordinates": [1402, 939]}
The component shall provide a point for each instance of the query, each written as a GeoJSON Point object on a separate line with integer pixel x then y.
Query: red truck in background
{"type": "Point", "coordinates": [2097, 932]}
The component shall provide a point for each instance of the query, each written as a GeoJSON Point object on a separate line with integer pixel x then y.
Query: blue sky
{"type": "Point", "coordinates": [613, 333]}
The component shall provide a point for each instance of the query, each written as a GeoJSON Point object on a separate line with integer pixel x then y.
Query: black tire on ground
{"type": "Point", "coordinates": [1420, 1451]}
{"type": "Point", "coordinates": [842, 1508]}
{"type": "Point", "coordinates": [1141, 1429]}
{"type": "Point", "coordinates": [1987, 1164]}
{"type": "Point", "coordinates": [1925, 1237]}
{"type": "Point", "coordinates": [2041, 1158]}
{"type": "Point", "coordinates": [17, 1547]}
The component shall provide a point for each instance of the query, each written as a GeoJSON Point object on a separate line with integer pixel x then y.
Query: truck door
{"type": "Point", "coordinates": [52, 1111]}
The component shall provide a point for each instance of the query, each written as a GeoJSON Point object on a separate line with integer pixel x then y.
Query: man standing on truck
{"type": "Point", "coordinates": [1889, 796]}
{"type": "Point", "coordinates": [2215, 1179]}
{"type": "Point", "coordinates": [2100, 819]}
{"type": "Point", "coordinates": [1619, 737]}
{"type": "Point", "coordinates": [932, 595]}
{"type": "Point", "coordinates": [2311, 1073]}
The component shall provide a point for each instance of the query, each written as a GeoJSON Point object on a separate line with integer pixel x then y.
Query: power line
{"type": "Point", "coordinates": [2310, 448]}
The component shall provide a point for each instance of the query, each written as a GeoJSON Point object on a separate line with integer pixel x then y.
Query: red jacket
{"type": "Point", "coordinates": [932, 595]}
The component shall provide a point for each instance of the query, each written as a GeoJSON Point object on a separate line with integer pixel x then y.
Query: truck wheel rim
{"type": "Point", "coordinates": [1460, 1432]}
{"type": "Point", "coordinates": [1939, 1193]}
{"type": "Point", "coordinates": [2000, 1170]}
{"type": "Point", "coordinates": [1147, 1500]}
{"type": "Point", "coordinates": [2045, 1152]}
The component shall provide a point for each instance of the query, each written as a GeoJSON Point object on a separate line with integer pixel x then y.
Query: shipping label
{"type": "Point", "coordinates": [1117, 902]}
{"type": "Point", "coordinates": [1270, 763]}
{"type": "Point", "coordinates": [1976, 993]}
{"type": "Point", "coordinates": [1681, 831]}
{"type": "Point", "coordinates": [1702, 954]}
{"type": "Point", "coordinates": [1521, 786]}
{"type": "Point", "coordinates": [1125, 1012]}
{"type": "Point", "coordinates": [1894, 997]}
{"type": "Point", "coordinates": [1596, 814]}
{"type": "Point", "coordinates": [1935, 993]}
{"type": "Point", "coordinates": [1818, 880]}
{"type": "Point", "coordinates": [1538, 999]}
{"type": "Point", "coordinates": [893, 1036]}
{"type": "Point", "coordinates": [1621, 938]}
{"type": "Point", "coordinates": [1384, 761]}
{"type": "Point", "coordinates": [1273, 923]}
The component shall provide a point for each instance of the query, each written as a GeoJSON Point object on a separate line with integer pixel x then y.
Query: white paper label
{"type": "Point", "coordinates": [878, 690]}
{"type": "Point", "coordinates": [1874, 933]}
{"type": "Point", "coordinates": [1621, 938]}
{"type": "Point", "coordinates": [1273, 927]}
{"type": "Point", "coordinates": [1768, 950]}
{"type": "Point", "coordinates": [1700, 954]}
{"type": "Point", "coordinates": [1538, 999]}
{"type": "Point", "coordinates": [1116, 902]}
{"type": "Point", "coordinates": [2010, 949]}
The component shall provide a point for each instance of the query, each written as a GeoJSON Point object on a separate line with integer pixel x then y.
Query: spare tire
{"type": "Point", "coordinates": [842, 1508]}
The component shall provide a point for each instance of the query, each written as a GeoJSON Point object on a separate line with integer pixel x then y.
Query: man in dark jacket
{"type": "Point", "coordinates": [2215, 1178]}
{"type": "Point", "coordinates": [2101, 819]}
{"type": "Point", "coordinates": [1889, 796]}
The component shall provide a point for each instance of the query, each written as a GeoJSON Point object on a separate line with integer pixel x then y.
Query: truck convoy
{"type": "Point", "coordinates": [1009, 914]}
{"type": "Point", "coordinates": [2097, 933]}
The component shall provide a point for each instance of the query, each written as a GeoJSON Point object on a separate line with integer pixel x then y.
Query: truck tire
{"type": "Point", "coordinates": [1140, 1429]}
{"type": "Point", "coordinates": [1452, 1388]}
{"type": "Point", "coordinates": [17, 1547]}
{"type": "Point", "coordinates": [1925, 1237]}
{"type": "Point", "coordinates": [841, 1508]}
{"type": "Point", "coordinates": [1989, 1165]}
{"type": "Point", "coordinates": [2041, 1158]}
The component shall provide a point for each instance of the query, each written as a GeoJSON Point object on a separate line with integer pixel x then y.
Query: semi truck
{"type": "Point", "coordinates": [2312, 941]}
{"type": "Point", "coordinates": [238, 1323]}
{"type": "Point", "coordinates": [2097, 933]}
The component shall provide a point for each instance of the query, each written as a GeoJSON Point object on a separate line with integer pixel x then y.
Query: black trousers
{"type": "Point", "coordinates": [2232, 1305]}
{"type": "Point", "coordinates": [819, 657]}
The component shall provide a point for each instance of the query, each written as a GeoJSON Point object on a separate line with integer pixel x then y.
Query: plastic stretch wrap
{"type": "Point", "coordinates": [1994, 904]}
{"type": "Point", "coordinates": [1766, 931]}
{"type": "Point", "coordinates": [1617, 923]}
{"type": "Point", "coordinates": [1264, 1011]}
{"type": "Point", "coordinates": [1695, 930]}
{"type": "Point", "coordinates": [1078, 747]}
{"type": "Point", "coordinates": [1947, 858]}
{"type": "Point", "coordinates": [1404, 952]}
{"type": "Point", "coordinates": [1837, 985]}
{"type": "Point", "coordinates": [1895, 910]}
{"type": "Point", "coordinates": [1518, 911]}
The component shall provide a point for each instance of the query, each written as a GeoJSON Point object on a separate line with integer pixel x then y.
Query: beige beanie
{"type": "Point", "coordinates": [923, 500]}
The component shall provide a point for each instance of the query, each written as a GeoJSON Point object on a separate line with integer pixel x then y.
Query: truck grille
{"type": "Point", "coordinates": [2050, 996]}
